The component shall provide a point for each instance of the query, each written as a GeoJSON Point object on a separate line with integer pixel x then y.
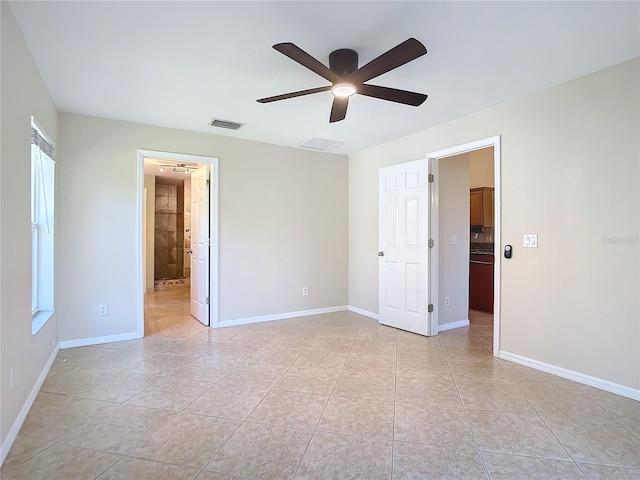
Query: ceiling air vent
{"type": "Point", "coordinates": [216, 122]}
{"type": "Point", "coordinates": [319, 144]}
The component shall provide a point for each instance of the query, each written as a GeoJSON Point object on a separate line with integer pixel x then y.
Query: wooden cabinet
{"type": "Point", "coordinates": [481, 207]}
{"type": "Point", "coordinates": [481, 282]}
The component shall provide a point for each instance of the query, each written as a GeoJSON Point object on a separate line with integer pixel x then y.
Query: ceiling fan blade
{"type": "Point", "coordinates": [339, 109]}
{"type": "Point", "coordinates": [392, 94]}
{"type": "Point", "coordinates": [299, 93]}
{"type": "Point", "coordinates": [399, 55]}
{"type": "Point", "coordinates": [296, 54]}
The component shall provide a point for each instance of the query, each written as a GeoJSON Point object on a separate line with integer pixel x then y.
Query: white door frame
{"type": "Point", "coordinates": [213, 228]}
{"type": "Point", "coordinates": [434, 159]}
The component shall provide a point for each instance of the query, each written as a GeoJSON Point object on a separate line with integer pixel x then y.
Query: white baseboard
{"type": "Point", "coordinates": [366, 313]}
{"type": "Point", "coordinates": [83, 342]}
{"type": "Point", "coordinates": [278, 316]}
{"type": "Point", "coordinates": [24, 411]}
{"type": "Point", "coordinates": [571, 375]}
{"type": "Point", "coordinates": [452, 325]}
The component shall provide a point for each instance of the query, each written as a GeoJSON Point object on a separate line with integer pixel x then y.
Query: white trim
{"type": "Point", "coordinates": [83, 342]}
{"type": "Point", "coordinates": [140, 261]}
{"type": "Point", "coordinates": [497, 240]}
{"type": "Point", "coordinates": [26, 406]}
{"type": "Point", "coordinates": [433, 252]}
{"type": "Point", "coordinates": [279, 316]}
{"type": "Point", "coordinates": [366, 313]}
{"type": "Point", "coordinates": [434, 158]}
{"type": "Point", "coordinates": [213, 244]}
{"type": "Point", "coordinates": [452, 325]}
{"type": "Point", "coordinates": [39, 319]}
{"type": "Point", "coordinates": [605, 385]}
{"type": "Point", "coordinates": [214, 232]}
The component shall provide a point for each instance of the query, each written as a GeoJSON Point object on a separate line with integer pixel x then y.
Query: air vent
{"type": "Point", "coordinates": [319, 144]}
{"type": "Point", "coordinates": [216, 122]}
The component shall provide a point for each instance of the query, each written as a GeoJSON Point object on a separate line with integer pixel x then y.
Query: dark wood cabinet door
{"type": "Point", "coordinates": [475, 207]}
{"type": "Point", "coordinates": [481, 286]}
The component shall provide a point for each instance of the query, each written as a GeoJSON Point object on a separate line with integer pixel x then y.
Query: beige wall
{"type": "Point", "coordinates": [570, 173]}
{"type": "Point", "coordinates": [283, 224]}
{"type": "Point", "coordinates": [453, 219]}
{"type": "Point", "coordinates": [22, 94]}
{"type": "Point", "coordinates": [481, 168]}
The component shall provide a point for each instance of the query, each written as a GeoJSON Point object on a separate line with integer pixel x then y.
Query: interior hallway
{"type": "Point", "coordinates": [321, 397]}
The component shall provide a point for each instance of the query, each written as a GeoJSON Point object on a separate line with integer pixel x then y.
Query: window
{"type": "Point", "coordinates": [42, 221]}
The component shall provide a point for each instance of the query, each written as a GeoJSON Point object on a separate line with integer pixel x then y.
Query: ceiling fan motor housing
{"type": "Point", "coordinates": [343, 61]}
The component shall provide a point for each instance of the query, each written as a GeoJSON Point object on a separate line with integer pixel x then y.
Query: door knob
{"type": "Point", "coordinates": [381, 254]}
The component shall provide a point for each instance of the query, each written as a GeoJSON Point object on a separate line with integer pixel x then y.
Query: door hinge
{"type": "Point", "coordinates": [431, 178]}
{"type": "Point", "coordinates": [207, 301]}
{"type": "Point", "coordinates": [207, 182]}
{"type": "Point", "coordinates": [430, 308]}
{"type": "Point", "coordinates": [431, 243]}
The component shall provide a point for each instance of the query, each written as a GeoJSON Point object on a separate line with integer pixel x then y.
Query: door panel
{"type": "Point", "coordinates": [200, 244]}
{"type": "Point", "coordinates": [403, 233]}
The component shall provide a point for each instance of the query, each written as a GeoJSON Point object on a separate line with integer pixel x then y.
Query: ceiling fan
{"type": "Point", "coordinates": [347, 79]}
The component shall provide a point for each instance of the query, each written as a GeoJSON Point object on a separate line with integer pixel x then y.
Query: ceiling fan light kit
{"type": "Point", "coordinates": [343, 90]}
{"type": "Point", "coordinates": [347, 79]}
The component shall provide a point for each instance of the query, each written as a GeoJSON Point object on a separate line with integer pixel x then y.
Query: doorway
{"type": "Point", "coordinates": [448, 240]}
{"type": "Point", "coordinates": [166, 226]}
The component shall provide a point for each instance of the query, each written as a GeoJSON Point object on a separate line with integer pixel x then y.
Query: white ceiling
{"type": "Point", "coordinates": [180, 64]}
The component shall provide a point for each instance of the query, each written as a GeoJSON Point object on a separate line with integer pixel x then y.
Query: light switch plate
{"type": "Point", "coordinates": [454, 239]}
{"type": "Point", "coordinates": [531, 240]}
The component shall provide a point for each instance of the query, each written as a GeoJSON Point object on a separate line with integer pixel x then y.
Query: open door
{"type": "Point", "coordinates": [200, 239]}
{"type": "Point", "coordinates": [404, 248]}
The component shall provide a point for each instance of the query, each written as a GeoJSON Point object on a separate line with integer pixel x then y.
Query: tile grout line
{"type": "Point", "coordinates": [323, 410]}
{"type": "Point", "coordinates": [466, 413]}
{"type": "Point", "coordinates": [395, 405]}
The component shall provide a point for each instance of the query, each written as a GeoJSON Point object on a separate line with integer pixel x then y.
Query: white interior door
{"type": "Point", "coordinates": [404, 251]}
{"type": "Point", "coordinates": [200, 244]}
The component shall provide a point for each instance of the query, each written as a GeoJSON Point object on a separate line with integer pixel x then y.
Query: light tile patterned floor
{"type": "Point", "coordinates": [333, 396]}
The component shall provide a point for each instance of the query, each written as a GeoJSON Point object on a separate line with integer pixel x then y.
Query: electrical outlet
{"type": "Point", "coordinates": [447, 301]}
{"type": "Point", "coordinates": [305, 291]}
{"type": "Point", "coordinates": [103, 310]}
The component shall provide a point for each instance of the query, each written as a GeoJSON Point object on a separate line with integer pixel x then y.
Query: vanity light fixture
{"type": "Point", "coordinates": [180, 168]}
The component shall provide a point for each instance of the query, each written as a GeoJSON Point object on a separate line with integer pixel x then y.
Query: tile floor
{"type": "Point", "coordinates": [333, 396]}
